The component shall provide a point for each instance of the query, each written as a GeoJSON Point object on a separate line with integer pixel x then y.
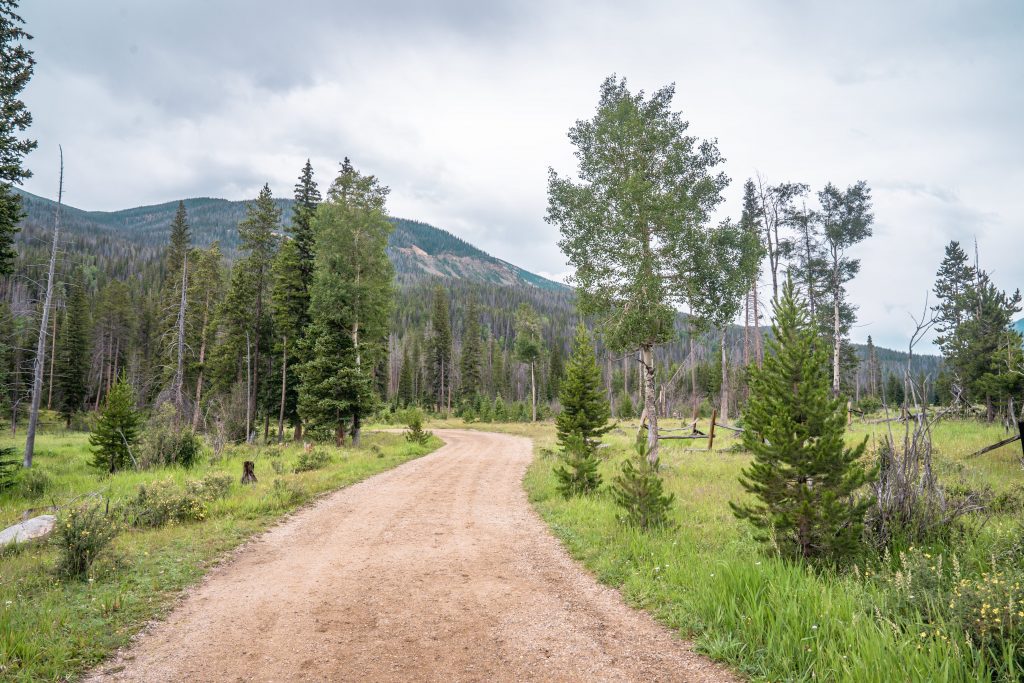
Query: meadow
{"type": "Point", "coordinates": [53, 628]}
{"type": "Point", "coordinates": [899, 617]}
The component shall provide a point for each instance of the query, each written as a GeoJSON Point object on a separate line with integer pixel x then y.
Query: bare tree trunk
{"type": "Point", "coordinates": [724, 411]}
{"type": "Point", "coordinates": [693, 378]}
{"type": "Point", "coordinates": [757, 328]}
{"type": "Point", "coordinates": [248, 390]}
{"type": "Point", "coordinates": [202, 359]}
{"type": "Point", "coordinates": [53, 355]}
{"type": "Point", "coordinates": [837, 343]}
{"type": "Point", "coordinates": [40, 359]}
{"type": "Point", "coordinates": [357, 429]}
{"type": "Point", "coordinates": [533, 392]}
{"type": "Point", "coordinates": [284, 385]}
{"type": "Point", "coordinates": [647, 360]}
{"type": "Point", "coordinates": [339, 433]}
{"type": "Point", "coordinates": [178, 385]}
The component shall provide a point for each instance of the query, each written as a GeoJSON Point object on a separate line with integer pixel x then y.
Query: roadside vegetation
{"type": "Point", "coordinates": [57, 617]}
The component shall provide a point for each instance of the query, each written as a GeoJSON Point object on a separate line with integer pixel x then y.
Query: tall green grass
{"type": "Point", "coordinates": [772, 620]}
{"type": "Point", "coordinates": [51, 630]}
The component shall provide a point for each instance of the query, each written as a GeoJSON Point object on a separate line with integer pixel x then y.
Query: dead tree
{"type": "Point", "coordinates": [249, 472]}
{"type": "Point", "coordinates": [40, 359]}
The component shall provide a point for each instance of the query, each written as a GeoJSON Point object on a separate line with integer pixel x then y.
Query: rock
{"type": "Point", "coordinates": [29, 530]}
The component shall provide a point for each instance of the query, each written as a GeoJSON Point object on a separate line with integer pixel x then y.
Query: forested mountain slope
{"type": "Point", "coordinates": [416, 249]}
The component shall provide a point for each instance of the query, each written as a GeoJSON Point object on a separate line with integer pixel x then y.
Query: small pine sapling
{"type": "Point", "coordinates": [577, 474]}
{"type": "Point", "coordinates": [639, 491]}
{"type": "Point", "coordinates": [804, 479]}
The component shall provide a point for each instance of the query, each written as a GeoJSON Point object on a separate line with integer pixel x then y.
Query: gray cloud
{"type": "Point", "coordinates": [461, 106]}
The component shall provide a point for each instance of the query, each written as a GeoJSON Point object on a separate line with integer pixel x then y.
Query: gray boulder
{"type": "Point", "coordinates": [29, 530]}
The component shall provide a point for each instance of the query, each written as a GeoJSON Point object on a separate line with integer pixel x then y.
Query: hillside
{"type": "Point", "coordinates": [417, 250]}
{"type": "Point", "coordinates": [1019, 326]}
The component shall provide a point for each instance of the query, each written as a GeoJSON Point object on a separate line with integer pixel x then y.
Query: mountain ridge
{"type": "Point", "coordinates": [417, 249]}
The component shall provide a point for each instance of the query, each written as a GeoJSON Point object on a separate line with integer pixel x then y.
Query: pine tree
{"type": "Point", "coordinates": [582, 421]}
{"type": "Point", "coordinates": [585, 411]}
{"type": "Point", "coordinates": [874, 370]}
{"type": "Point", "coordinates": [15, 71]}
{"type": "Point", "coordinates": [307, 198]}
{"type": "Point", "coordinates": [406, 393]}
{"type": "Point", "coordinates": [73, 356]}
{"type": "Point", "coordinates": [178, 245]}
{"type": "Point", "coordinates": [290, 308]}
{"type": "Point", "coordinates": [529, 347]}
{"type": "Point", "coordinates": [440, 349]}
{"type": "Point", "coordinates": [803, 477]}
{"type": "Point", "coordinates": [639, 491]}
{"type": "Point", "coordinates": [472, 352]}
{"type": "Point", "coordinates": [117, 430]}
{"type": "Point", "coordinates": [350, 303]}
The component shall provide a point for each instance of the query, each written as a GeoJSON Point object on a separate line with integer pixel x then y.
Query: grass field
{"type": "Point", "coordinates": [772, 620]}
{"type": "Point", "coordinates": [52, 629]}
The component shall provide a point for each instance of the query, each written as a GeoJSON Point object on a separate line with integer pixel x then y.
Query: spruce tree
{"type": "Point", "coordinates": [803, 477]}
{"type": "Point", "coordinates": [406, 395]}
{"type": "Point", "coordinates": [351, 300]}
{"type": "Point", "coordinates": [471, 360]}
{"type": "Point", "coordinates": [529, 348]}
{"type": "Point", "coordinates": [117, 430]}
{"type": "Point", "coordinates": [440, 349]}
{"type": "Point", "coordinates": [585, 411]}
{"type": "Point", "coordinates": [289, 308]}
{"type": "Point", "coordinates": [582, 421]}
{"type": "Point", "coordinates": [73, 357]}
{"type": "Point", "coordinates": [15, 71]}
{"type": "Point", "coordinates": [307, 198]}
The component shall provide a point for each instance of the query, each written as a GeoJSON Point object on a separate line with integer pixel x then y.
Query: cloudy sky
{"type": "Point", "coordinates": [460, 107]}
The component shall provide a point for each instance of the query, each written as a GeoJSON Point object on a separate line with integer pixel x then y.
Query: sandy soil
{"type": "Point", "coordinates": [438, 570]}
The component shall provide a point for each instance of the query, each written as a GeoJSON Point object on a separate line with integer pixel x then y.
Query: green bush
{"type": "Point", "coordinates": [638, 490]}
{"type": "Point", "coordinates": [163, 502]}
{"type": "Point", "coordinates": [167, 443]}
{"type": "Point", "coordinates": [80, 535]}
{"type": "Point", "coordinates": [34, 482]}
{"type": "Point", "coordinates": [869, 404]}
{"type": "Point", "coordinates": [288, 493]}
{"type": "Point", "coordinates": [277, 465]}
{"type": "Point", "coordinates": [213, 486]}
{"type": "Point", "coordinates": [314, 459]}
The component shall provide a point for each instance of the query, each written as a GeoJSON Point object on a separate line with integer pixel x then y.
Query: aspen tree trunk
{"type": "Point", "coordinates": [40, 359]}
{"type": "Point", "coordinates": [647, 360]}
{"type": "Point", "coordinates": [53, 355]}
{"type": "Point", "coordinates": [284, 378]}
{"type": "Point", "coordinates": [693, 379]}
{"type": "Point", "coordinates": [724, 411]}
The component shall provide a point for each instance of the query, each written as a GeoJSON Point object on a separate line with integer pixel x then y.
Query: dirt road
{"type": "Point", "coordinates": [437, 570]}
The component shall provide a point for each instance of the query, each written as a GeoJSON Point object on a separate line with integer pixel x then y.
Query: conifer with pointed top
{"type": "Point", "coordinates": [73, 355]}
{"type": "Point", "coordinates": [804, 479]}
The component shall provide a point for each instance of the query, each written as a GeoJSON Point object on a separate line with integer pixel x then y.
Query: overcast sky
{"type": "Point", "coordinates": [460, 107]}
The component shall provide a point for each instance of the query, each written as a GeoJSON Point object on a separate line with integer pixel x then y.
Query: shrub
{"type": "Point", "coordinates": [288, 493]}
{"type": "Point", "coordinates": [80, 535]}
{"type": "Point", "coordinates": [638, 490]}
{"type": "Point", "coordinates": [213, 486]}
{"type": "Point", "coordinates": [34, 482]}
{"type": "Point", "coordinates": [277, 466]}
{"type": "Point", "coordinates": [163, 502]}
{"type": "Point", "coordinates": [167, 443]}
{"type": "Point", "coordinates": [577, 475]}
{"type": "Point", "coordinates": [416, 433]}
{"type": "Point", "coordinates": [869, 404]}
{"type": "Point", "coordinates": [314, 459]}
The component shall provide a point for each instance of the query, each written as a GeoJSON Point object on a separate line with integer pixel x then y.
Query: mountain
{"type": "Point", "coordinates": [417, 250]}
{"type": "Point", "coordinates": [1019, 326]}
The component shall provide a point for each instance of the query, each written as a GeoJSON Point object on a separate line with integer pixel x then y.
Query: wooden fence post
{"type": "Point", "coordinates": [711, 433]}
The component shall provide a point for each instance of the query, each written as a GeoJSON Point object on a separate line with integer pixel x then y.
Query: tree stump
{"type": "Point", "coordinates": [249, 472]}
